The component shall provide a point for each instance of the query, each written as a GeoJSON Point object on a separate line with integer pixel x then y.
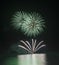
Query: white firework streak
{"type": "Point", "coordinates": [28, 44]}
{"type": "Point", "coordinates": [25, 44]}
{"type": "Point", "coordinates": [32, 48]}
{"type": "Point", "coordinates": [31, 24]}
{"type": "Point", "coordinates": [24, 48]}
{"type": "Point", "coordinates": [39, 44]}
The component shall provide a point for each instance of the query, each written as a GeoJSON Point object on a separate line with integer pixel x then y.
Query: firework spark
{"type": "Point", "coordinates": [31, 48]}
{"type": "Point", "coordinates": [30, 23]}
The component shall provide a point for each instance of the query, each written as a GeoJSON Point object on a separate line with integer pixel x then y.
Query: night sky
{"type": "Point", "coordinates": [9, 36]}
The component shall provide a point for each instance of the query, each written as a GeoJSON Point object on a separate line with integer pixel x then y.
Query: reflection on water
{"type": "Point", "coordinates": [29, 59]}
{"type": "Point", "coordinates": [52, 59]}
{"type": "Point", "coordinates": [32, 59]}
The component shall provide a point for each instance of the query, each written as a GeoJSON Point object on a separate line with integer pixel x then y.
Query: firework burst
{"type": "Point", "coordinates": [31, 48]}
{"type": "Point", "coordinates": [31, 24]}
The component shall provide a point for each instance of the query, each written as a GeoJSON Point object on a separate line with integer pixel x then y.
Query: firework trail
{"type": "Point", "coordinates": [31, 48]}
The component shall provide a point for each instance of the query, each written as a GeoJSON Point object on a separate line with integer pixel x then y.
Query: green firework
{"type": "Point", "coordinates": [31, 24]}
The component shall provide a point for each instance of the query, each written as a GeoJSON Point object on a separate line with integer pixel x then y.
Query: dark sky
{"type": "Point", "coordinates": [9, 36]}
{"type": "Point", "coordinates": [48, 10]}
